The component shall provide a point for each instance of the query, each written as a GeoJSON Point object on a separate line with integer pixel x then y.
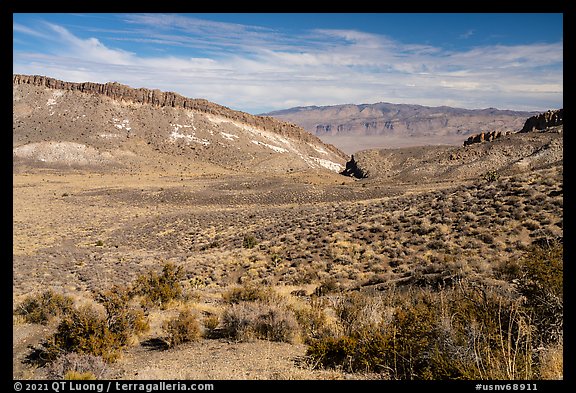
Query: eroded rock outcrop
{"type": "Point", "coordinates": [353, 169]}
{"type": "Point", "coordinates": [485, 137]}
{"type": "Point", "coordinates": [544, 120]}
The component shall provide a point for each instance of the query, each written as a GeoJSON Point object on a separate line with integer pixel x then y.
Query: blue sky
{"type": "Point", "coordinates": [262, 62]}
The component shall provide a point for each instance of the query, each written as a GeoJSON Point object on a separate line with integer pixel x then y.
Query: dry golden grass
{"type": "Point", "coordinates": [552, 363]}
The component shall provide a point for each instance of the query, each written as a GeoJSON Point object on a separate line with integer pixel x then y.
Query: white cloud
{"type": "Point", "coordinates": [90, 49]}
{"type": "Point", "coordinates": [256, 69]}
{"type": "Point", "coordinates": [17, 27]}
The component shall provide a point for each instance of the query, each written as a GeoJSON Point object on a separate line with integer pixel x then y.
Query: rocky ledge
{"type": "Point", "coordinates": [159, 98]}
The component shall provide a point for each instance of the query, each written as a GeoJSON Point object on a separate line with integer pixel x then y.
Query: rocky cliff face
{"type": "Point", "coordinates": [159, 98]}
{"type": "Point", "coordinates": [544, 120]}
{"type": "Point", "coordinates": [65, 123]}
{"type": "Point", "coordinates": [519, 151]}
{"type": "Point", "coordinates": [538, 122]}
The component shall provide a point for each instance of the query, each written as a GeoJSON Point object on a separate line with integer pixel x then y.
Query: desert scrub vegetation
{"type": "Point", "coordinates": [468, 330]}
{"type": "Point", "coordinates": [247, 321]}
{"type": "Point", "coordinates": [184, 328]}
{"type": "Point", "coordinates": [313, 320]}
{"type": "Point", "coordinates": [44, 307]}
{"type": "Point", "coordinates": [249, 241]}
{"type": "Point", "coordinates": [77, 366]}
{"type": "Point", "coordinates": [117, 318]}
{"type": "Point", "coordinates": [258, 313]}
{"type": "Point", "coordinates": [250, 292]}
{"type": "Point", "coordinates": [93, 331]}
{"type": "Point", "coordinates": [158, 290]}
{"type": "Point", "coordinates": [540, 281]}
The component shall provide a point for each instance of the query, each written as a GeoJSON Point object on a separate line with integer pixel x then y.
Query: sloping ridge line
{"type": "Point", "coordinates": [159, 98]}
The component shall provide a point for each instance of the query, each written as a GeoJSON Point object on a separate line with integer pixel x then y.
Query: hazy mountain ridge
{"type": "Point", "coordinates": [406, 119]}
{"type": "Point", "coordinates": [56, 122]}
{"type": "Point", "coordinates": [358, 127]}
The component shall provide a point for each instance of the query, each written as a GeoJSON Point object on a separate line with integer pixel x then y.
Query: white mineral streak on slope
{"type": "Point", "coordinates": [63, 152]}
{"type": "Point", "coordinates": [109, 135]}
{"type": "Point", "coordinates": [178, 126]}
{"type": "Point", "coordinates": [230, 137]}
{"type": "Point", "coordinates": [275, 148]}
{"type": "Point", "coordinates": [318, 149]}
{"type": "Point", "coordinates": [333, 166]}
{"type": "Point", "coordinates": [253, 130]}
{"type": "Point", "coordinates": [190, 115]}
{"type": "Point", "coordinates": [54, 100]}
{"type": "Point", "coordinates": [189, 138]}
{"type": "Point", "coordinates": [313, 162]}
{"type": "Point", "coordinates": [123, 125]}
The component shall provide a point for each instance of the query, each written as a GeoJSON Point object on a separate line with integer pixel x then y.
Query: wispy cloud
{"type": "Point", "coordinates": [258, 69]}
{"type": "Point", "coordinates": [90, 49]}
{"type": "Point", "coordinates": [467, 34]}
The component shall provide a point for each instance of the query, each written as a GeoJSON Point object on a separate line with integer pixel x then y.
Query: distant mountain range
{"type": "Point", "coordinates": [353, 127]}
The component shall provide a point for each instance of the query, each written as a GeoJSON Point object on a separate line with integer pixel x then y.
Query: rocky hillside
{"type": "Point", "coordinates": [505, 154]}
{"type": "Point", "coordinates": [57, 123]}
{"type": "Point", "coordinates": [358, 127]}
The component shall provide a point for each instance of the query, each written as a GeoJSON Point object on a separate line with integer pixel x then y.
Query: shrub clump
{"type": "Point", "coordinates": [312, 320]}
{"type": "Point", "coordinates": [211, 323]}
{"type": "Point", "coordinates": [469, 331]}
{"type": "Point", "coordinates": [541, 283]}
{"type": "Point", "coordinates": [329, 285]}
{"type": "Point", "coordinates": [491, 176]}
{"type": "Point", "coordinates": [402, 348]}
{"type": "Point", "coordinates": [77, 365]}
{"type": "Point", "coordinates": [158, 290]}
{"type": "Point", "coordinates": [77, 376]}
{"type": "Point", "coordinates": [83, 331]}
{"type": "Point", "coordinates": [44, 307]}
{"type": "Point", "coordinates": [248, 293]}
{"type": "Point", "coordinates": [183, 328]}
{"type": "Point", "coordinates": [122, 320]}
{"type": "Point", "coordinates": [87, 330]}
{"type": "Point", "coordinates": [249, 241]}
{"type": "Point", "coordinates": [257, 320]}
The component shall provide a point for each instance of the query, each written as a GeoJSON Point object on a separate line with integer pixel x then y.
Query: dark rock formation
{"type": "Point", "coordinates": [322, 129]}
{"type": "Point", "coordinates": [354, 170]}
{"type": "Point", "coordinates": [485, 137]}
{"type": "Point", "coordinates": [544, 120]}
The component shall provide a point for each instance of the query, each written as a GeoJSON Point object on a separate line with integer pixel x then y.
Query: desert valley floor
{"type": "Point", "coordinates": [79, 232]}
